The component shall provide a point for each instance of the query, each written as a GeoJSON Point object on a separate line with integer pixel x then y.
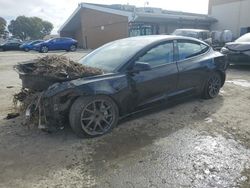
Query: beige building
{"type": "Point", "coordinates": [93, 25]}
{"type": "Point", "coordinates": [231, 14]}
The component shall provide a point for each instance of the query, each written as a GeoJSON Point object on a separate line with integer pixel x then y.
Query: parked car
{"type": "Point", "coordinates": [138, 72]}
{"type": "Point", "coordinates": [14, 40]}
{"type": "Point", "coordinates": [10, 46]}
{"type": "Point", "coordinates": [63, 43]}
{"type": "Point", "coordinates": [29, 45]}
{"type": "Point", "coordinates": [238, 52]}
{"type": "Point", "coordinates": [195, 33]}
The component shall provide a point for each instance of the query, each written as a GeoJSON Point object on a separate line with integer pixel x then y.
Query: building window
{"type": "Point", "coordinates": [244, 30]}
{"type": "Point", "coordinates": [139, 29]}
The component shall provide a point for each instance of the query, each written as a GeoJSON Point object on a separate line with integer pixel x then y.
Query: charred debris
{"type": "Point", "coordinates": [37, 75]}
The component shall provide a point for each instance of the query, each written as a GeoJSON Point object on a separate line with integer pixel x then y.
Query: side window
{"type": "Point", "coordinates": [159, 55]}
{"type": "Point", "coordinates": [57, 40]}
{"type": "Point", "coordinates": [190, 49]}
{"type": "Point", "coordinates": [62, 40]}
{"type": "Point", "coordinates": [53, 40]}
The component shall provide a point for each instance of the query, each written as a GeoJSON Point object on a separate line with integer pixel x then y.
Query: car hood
{"type": "Point", "coordinates": [74, 85]}
{"type": "Point", "coordinates": [23, 45]}
{"type": "Point", "coordinates": [238, 46]}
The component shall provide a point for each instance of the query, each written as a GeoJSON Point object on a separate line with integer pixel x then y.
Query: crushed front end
{"type": "Point", "coordinates": [52, 107]}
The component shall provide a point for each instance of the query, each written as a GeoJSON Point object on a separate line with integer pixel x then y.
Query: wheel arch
{"type": "Point", "coordinates": [73, 98]}
{"type": "Point", "coordinates": [75, 114]}
{"type": "Point", "coordinates": [223, 77]}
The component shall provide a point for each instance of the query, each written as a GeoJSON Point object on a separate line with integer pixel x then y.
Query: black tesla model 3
{"type": "Point", "coordinates": [139, 71]}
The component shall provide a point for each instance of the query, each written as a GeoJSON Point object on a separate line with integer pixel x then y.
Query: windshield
{"type": "Point", "coordinates": [186, 33]}
{"type": "Point", "coordinates": [113, 55]}
{"type": "Point", "coordinates": [244, 38]}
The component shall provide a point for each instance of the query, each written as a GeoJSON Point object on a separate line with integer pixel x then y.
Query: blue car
{"type": "Point", "coordinates": [27, 46]}
{"type": "Point", "coordinates": [64, 43]}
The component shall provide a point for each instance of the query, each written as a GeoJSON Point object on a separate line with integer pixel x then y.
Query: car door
{"type": "Point", "coordinates": [53, 44]}
{"type": "Point", "coordinates": [64, 44]}
{"type": "Point", "coordinates": [11, 46]}
{"type": "Point", "coordinates": [192, 64]}
{"type": "Point", "coordinates": [6, 46]}
{"type": "Point", "coordinates": [161, 79]}
{"type": "Point", "coordinates": [61, 44]}
{"type": "Point", "coordinates": [15, 46]}
{"type": "Point", "coordinates": [58, 44]}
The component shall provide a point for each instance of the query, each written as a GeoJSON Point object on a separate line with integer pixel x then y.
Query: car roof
{"type": "Point", "coordinates": [62, 38]}
{"type": "Point", "coordinates": [150, 39]}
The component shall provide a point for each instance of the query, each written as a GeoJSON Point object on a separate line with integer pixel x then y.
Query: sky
{"type": "Point", "coordinates": [57, 11]}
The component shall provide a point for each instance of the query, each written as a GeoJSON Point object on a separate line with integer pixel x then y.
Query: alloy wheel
{"type": "Point", "coordinates": [72, 48]}
{"type": "Point", "coordinates": [44, 49]}
{"type": "Point", "coordinates": [214, 85]}
{"type": "Point", "coordinates": [97, 117]}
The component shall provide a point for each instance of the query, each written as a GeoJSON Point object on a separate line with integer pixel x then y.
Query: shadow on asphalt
{"type": "Point", "coordinates": [240, 67]}
{"type": "Point", "coordinates": [143, 128]}
{"type": "Point", "coordinates": [33, 148]}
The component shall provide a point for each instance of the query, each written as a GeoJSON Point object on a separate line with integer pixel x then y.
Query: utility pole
{"type": "Point", "coordinates": [145, 4]}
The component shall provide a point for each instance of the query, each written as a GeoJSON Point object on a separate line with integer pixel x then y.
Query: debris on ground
{"type": "Point", "coordinates": [9, 87]}
{"type": "Point", "coordinates": [12, 115]}
{"type": "Point", "coordinates": [25, 98]}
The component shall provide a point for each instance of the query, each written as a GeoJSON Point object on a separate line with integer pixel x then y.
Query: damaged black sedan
{"type": "Point", "coordinates": [137, 72]}
{"type": "Point", "coordinates": [238, 52]}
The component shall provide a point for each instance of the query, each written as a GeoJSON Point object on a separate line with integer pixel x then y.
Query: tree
{"type": "Point", "coordinates": [29, 27]}
{"type": "Point", "coordinates": [2, 25]}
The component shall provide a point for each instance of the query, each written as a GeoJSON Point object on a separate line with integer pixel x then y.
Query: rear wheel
{"type": "Point", "coordinates": [213, 85]}
{"type": "Point", "coordinates": [44, 49]}
{"type": "Point", "coordinates": [73, 48]}
{"type": "Point", "coordinates": [93, 116]}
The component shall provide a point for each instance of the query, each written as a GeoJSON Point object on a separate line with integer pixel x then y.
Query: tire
{"type": "Point", "coordinates": [44, 49]}
{"type": "Point", "coordinates": [26, 49]}
{"type": "Point", "coordinates": [212, 86]}
{"type": "Point", "coordinates": [72, 48]}
{"type": "Point", "coordinates": [88, 121]}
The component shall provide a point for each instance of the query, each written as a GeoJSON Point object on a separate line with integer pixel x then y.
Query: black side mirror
{"type": "Point", "coordinates": [141, 66]}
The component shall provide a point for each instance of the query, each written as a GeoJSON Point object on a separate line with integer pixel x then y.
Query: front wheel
{"type": "Point", "coordinates": [26, 49]}
{"type": "Point", "coordinates": [213, 85]}
{"type": "Point", "coordinates": [93, 116]}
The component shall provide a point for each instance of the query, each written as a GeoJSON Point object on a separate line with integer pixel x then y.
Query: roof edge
{"type": "Point", "coordinates": [69, 18]}
{"type": "Point", "coordinates": [130, 15]}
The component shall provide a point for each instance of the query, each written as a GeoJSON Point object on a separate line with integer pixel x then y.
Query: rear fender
{"type": "Point", "coordinates": [221, 61]}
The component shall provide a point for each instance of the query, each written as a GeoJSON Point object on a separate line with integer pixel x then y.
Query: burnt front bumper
{"type": "Point", "coordinates": [50, 113]}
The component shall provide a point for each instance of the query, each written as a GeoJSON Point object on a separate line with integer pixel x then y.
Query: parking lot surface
{"type": "Point", "coordinates": [193, 143]}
